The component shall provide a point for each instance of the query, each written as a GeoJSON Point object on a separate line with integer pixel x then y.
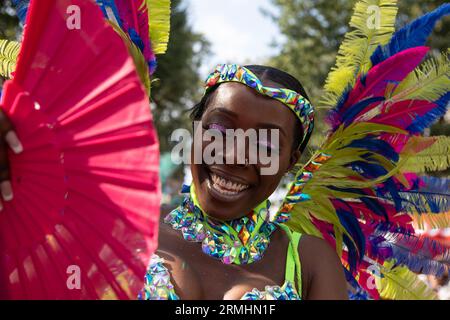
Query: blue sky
{"type": "Point", "coordinates": [237, 29]}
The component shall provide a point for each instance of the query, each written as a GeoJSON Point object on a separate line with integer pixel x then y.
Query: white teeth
{"type": "Point", "coordinates": [226, 186]}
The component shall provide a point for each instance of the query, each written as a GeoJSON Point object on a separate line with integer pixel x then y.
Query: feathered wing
{"type": "Point", "coordinates": [365, 186]}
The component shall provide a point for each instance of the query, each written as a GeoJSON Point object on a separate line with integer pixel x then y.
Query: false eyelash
{"type": "Point", "coordinates": [266, 144]}
{"type": "Point", "coordinates": [216, 126]}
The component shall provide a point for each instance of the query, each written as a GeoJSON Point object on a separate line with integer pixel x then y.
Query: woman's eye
{"type": "Point", "coordinates": [216, 127]}
{"type": "Point", "coordinates": [268, 147]}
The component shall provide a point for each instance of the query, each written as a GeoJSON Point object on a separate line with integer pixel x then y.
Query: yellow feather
{"type": "Point", "coordinates": [372, 24]}
{"type": "Point", "coordinates": [434, 158]}
{"type": "Point", "coordinates": [9, 51]}
{"type": "Point", "coordinates": [159, 22]}
{"type": "Point", "coordinates": [432, 221]}
{"type": "Point", "coordinates": [398, 283]}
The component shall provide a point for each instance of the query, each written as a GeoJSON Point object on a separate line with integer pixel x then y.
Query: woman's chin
{"type": "Point", "coordinates": [220, 207]}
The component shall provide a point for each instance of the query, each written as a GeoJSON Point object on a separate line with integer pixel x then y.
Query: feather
{"type": "Point", "coordinates": [432, 221]}
{"type": "Point", "coordinates": [426, 195]}
{"type": "Point", "coordinates": [412, 35]}
{"type": "Point", "coordinates": [422, 122]}
{"type": "Point", "coordinates": [419, 253]}
{"type": "Point", "coordinates": [9, 51]}
{"type": "Point", "coordinates": [375, 83]}
{"type": "Point", "coordinates": [21, 9]}
{"type": "Point", "coordinates": [159, 19]}
{"type": "Point", "coordinates": [358, 190]}
{"type": "Point", "coordinates": [436, 157]}
{"type": "Point", "coordinates": [398, 283]}
{"type": "Point", "coordinates": [393, 70]}
{"type": "Point", "coordinates": [401, 114]}
{"type": "Point", "coordinates": [358, 46]}
{"type": "Point", "coordinates": [134, 19]}
{"type": "Point", "coordinates": [429, 82]}
{"type": "Point", "coordinates": [138, 58]}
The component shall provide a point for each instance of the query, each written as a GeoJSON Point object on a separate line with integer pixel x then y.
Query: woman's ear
{"type": "Point", "coordinates": [295, 156]}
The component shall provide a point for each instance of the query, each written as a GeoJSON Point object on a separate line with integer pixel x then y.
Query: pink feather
{"type": "Point", "coordinates": [401, 114]}
{"type": "Point", "coordinates": [134, 15]}
{"type": "Point", "coordinates": [394, 69]}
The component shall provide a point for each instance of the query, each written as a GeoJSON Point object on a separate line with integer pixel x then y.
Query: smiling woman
{"type": "Point", "coordinates": [349, 210]}
{"type": "Point", "coordinates": [227, 207]}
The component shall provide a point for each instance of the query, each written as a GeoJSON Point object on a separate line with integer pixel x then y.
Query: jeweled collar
{"type": "Point", "coordinates": [240, 241]}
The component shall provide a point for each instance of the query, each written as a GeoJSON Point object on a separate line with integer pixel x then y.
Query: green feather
{"type": "Point", "coordinates": [429, 81]}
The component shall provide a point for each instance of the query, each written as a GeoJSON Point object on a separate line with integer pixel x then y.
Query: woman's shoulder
{"type": "Point", "coordinates": [320, 265]}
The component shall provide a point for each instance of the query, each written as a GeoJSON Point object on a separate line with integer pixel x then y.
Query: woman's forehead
{"type": "Point", "coordinates": [248, 104]}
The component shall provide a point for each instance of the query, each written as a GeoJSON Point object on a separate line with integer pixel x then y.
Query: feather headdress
{"type": "Point", "coordinates": [366, 185]}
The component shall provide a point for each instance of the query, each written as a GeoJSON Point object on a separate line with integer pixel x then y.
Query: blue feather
{"type": "Point", "coordinates": [375, 145]}
{"type": "Point", "coordinates": [412, 35]}
{"type": "Point", "coordinates": [434, 197]}
{"type": "Point", "coordinates": [110, 4]}
{"type": "Point", "coordinates": [425, 121]}
{"type": "Point", "coordinates": [375, 207]}
{"type": "Point", "coordinates": [21, 9]}
{"type": "Point", "coordinates": [410, 251]}
{"type": "Point", "coordinates": [351, 224]}
{"type": "Point", "coordinates": [368, 170]}
{"type": "Point", "coordinates": [348, 116]}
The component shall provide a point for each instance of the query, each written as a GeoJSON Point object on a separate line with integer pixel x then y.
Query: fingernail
{"type": "Point", "coordinates": [6, 189]}
{"type": "Point", "coordinates": [13, 141]}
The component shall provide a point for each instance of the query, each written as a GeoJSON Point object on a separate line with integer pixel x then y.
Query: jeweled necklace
{"type": "Point", "coordinates": [240, 241]}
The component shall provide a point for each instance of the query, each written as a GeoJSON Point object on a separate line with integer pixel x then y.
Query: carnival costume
{"type": "Point", "coordinates": [365, 187]}
{"type": "Point", "coordinates": [363, 190]}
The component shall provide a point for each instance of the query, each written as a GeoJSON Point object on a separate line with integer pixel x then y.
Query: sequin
{"type": "Point", "coordinates": [157, 285]}
{"type": "Point", "coordinates": [286, 292]}
{"type": "Point", "coordinates": [241, 241]}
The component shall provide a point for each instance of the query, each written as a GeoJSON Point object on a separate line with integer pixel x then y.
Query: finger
{"type": "Point", "coordinates": [13, 141]}
{"type": "Point", "coordinates": [6, 190]}
{"type": "Point", "coordinates": [5, 124]}
{"type": "Point", "coordinates": [1, 205]}
{"type": "Point", "coordinates": [4, 162]}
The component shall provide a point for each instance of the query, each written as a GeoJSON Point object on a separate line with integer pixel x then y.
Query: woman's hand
{"type": "Point", "coordinates": [8, 137]}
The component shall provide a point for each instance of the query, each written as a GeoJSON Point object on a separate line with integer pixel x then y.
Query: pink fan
{"type": "Point", "coordinates": [83, 221]}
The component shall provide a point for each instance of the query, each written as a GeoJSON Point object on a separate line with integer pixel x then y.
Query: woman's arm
{"type": "Point", "coordinates": [322, 272]}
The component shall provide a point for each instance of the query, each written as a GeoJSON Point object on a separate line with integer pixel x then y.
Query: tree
{"type": "Point", "coordinates": [178, 82]}
{"type": "Point", "coordinates": [9, 23]}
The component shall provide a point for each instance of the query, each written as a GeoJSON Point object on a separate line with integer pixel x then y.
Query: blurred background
{"type": "Point", "coordinates": [298, 36]}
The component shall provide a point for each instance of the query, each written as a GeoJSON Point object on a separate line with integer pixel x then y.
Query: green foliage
{"type": "Point", "coordinates": [9, 23]}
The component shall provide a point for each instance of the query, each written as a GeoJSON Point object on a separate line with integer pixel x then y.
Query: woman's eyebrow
{"type": "Point", "coordinates": [262, 125]}
{"type": "Point", "coordinates": [224, 110]}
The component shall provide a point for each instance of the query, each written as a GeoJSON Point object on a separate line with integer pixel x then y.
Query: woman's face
{"type": "Point", "coordinates": [229, 191]}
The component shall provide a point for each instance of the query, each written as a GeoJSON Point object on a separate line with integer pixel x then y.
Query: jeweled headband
{"type": "Point", "coordinates": [295, 101]}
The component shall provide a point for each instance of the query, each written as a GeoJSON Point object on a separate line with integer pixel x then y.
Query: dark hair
{"type": "Point", "coordinates": [284, 79]}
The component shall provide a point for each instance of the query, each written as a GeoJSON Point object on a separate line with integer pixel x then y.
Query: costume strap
{"type": "Point", "coordinates": [293, 265]}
